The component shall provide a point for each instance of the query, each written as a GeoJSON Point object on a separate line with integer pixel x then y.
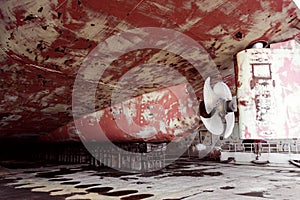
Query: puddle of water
{"type": "Point", "coordinates": [86, 185]}
{"type": "Point", "coordinates": [9, 192]}
{"type": "Point", "coordinates": [208, 190]}
{"type": "Point", "coordinates": [60, 179]}
{"type": "Point", "coordinates": [53, 174]}
{"type": "Point", "coordinates": [153, 173]}
{"type": "Point", "coordinates": [183, 172]}
{"type": "Point", "coordinates": [99, 190]}
{"type": "Point", "coordinates": [227, 188]}
{"type": "Point", "coordinates": [129, 178]}
{"type": "Point", "coordinates": [172, 199]}
{"type": "Point", "coordinates": [69, 194]}
{"type": "Point", "coordinates": [213, 173]}
{"type": "Point", "coordinates": [120, 193]}
{"type": "Point", "coordinates": [31, 171]}
{"type": "Point", "coordinates": [137, 197]}
{"type": "Point", "coordinates": [115, 174]}
{"type": "Point", "coordinates": [140, 182]}
{"type": "Point", "coordinates": [176, 166]}
{"type": "Point", "coordinates": [70, 183]}
{"type": "Point", "coordinates": [253, 194]}
{"type": "Point", "coordinates": [195, 173]}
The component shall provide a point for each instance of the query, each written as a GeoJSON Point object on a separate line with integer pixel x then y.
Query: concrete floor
{"type": "Point", "coordinates": [184, 179]}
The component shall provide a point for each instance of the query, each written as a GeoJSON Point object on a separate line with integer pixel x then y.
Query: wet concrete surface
{"type": "Point", "coordinates": [184, 179]}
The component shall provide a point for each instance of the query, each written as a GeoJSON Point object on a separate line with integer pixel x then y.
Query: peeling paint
{"type": "Point", "coordinates": [270, 86]}
{"type": "Point", "coordinates": [43, 44]}
{"type": "Point", "coordinates": [132, 119]}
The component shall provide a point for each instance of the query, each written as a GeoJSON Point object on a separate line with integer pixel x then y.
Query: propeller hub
{"type": "Point", "coordinates": [231, 106]}
{"type": "Point", "coordinates": [219, 106]}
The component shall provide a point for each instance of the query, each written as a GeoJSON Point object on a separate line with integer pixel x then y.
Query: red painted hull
{"type": "Point", "coordinates": [159, 116]}
{"type": "Point", "coordinates": [44, 43]}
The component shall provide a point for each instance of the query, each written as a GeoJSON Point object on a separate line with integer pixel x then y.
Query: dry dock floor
{"type": "Point", "coordinates": [184, 179]}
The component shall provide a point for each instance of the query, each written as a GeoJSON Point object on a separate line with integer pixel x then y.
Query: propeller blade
{"type": "Point", "coordinates": [210, 98]}
{"type": "Point", "coordinates": [222, 91]}
{"type": "Point", "coordinates": [229, 124]}
{"type": "Point", "coordinates": [213, 124]}
{"type": "Point", "coordinates": [218, 124]}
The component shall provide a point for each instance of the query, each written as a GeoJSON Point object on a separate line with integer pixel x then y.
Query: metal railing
{"type": "Point", "coordinates": [286, 147]}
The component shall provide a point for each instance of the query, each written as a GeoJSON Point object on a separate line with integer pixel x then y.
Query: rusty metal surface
{"type": "Point", "coordinates": [158, 116]}
{"type": "Point", "coordinates": [268, 92]}
{"type": "Point", "coordinates": [43, 44]}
